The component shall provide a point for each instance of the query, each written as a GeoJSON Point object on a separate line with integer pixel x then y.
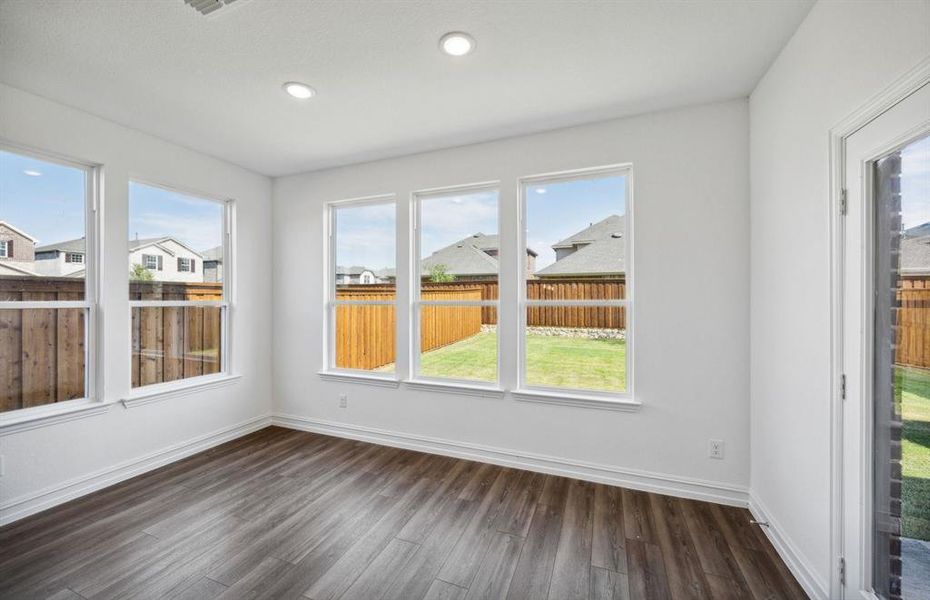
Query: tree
{"type": "Point", "coordinates": [139, 273]}
{"type": "Point", "coordinates": [439, 274]}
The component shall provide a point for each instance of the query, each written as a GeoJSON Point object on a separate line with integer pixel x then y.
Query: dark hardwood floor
{"type": "Point", "coordinates": [286, 514]}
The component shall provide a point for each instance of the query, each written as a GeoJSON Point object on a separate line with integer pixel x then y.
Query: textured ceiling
{"type": "Point", "coordinates": [214, 83]}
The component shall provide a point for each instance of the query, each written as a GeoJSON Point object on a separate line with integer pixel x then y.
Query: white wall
{"type": "Point", "coordinates": [41, 464]}
{"type": "Point", "coordinates": [691, 307]}
{"type": "Point", "coordinates": [843, 54]}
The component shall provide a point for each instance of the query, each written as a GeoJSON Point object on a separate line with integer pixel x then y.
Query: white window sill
{"type": "Point", "coordinates": [50, 414]}
{"type": "Point", "coordinates": [580, 400]}
{"type": "Point", "coordinates": [348, 377]}
{"type": "Point", "coordinates": [455, 388]}
{"type": "Point", "coordinates": [176, 389]}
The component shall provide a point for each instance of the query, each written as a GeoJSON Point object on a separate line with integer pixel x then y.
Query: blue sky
{"type": "Point", "coordinates": [449, 219]}
{"type": "Point", "coordinates": [42, 199]}
{"type": "Point", "coordinates": [46, 200]}
{"type": "Point", "coordinates": [557, 210]}
{"type": "Point", "coordinates": [365, 234]}
{"type": "Point", "coordinates": [156, 212]}
{"type": "Point", "coordinates": [915, 183]}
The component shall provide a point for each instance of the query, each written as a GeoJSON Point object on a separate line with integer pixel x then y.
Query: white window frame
{"type": "Point", "coordinates": [184, 265]}
{"type": "Point", "coordinates": [332, 282]}
{"type": "Point", "coordinates": [226, 305]}
{"type": "Point", "coordinates": [73, 256]}
{"type": "Point", "coordinates": [416, 303]}
{"type": "Point", "coordinates": [92, 402]}
{"type": "Point", "coordinates": [3, 248]}
{"type": "Point", "coordinates": [147, 258]}
{"type": "Point", "coordinates": [578, 396]}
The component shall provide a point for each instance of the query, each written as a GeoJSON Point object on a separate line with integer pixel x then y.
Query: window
{"type": "Point", "coordinates": [74, 257]}
{"type": "Point", "coordinates": [151, 262]}
{"type": "Point", "coordinates": [362, 305]}
{"type": "Point", "coordinates": [180, 322]}
{"type": "Point", "coordinates": [456, 285]}
{"type": "Point", "coordinates": [47, 311]}
{"type": "Point", "coordinates": [575, 301]}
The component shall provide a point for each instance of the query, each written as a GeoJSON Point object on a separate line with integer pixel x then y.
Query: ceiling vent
{"type": "Point", "coordinates": [206, 7]}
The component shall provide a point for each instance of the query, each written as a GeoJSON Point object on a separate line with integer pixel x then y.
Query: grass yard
{"type": "Point", "coordinates": [915, 446]}
{"type": "Point", "coordinates": [551, 361]}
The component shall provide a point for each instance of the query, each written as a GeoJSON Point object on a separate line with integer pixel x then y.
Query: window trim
{"type": "Point", "coordinates": [226, 305]}
{"type": "Point", "coordinates": [3, 248]}
{"type": "Point", "coordinates": [94, 364]}
{"type": "Point", "coordinates": [417, 379]}
{"type": "Point", "coordinates": [576, 396]}
{"type": "Point", "coordinates": [330, 371]}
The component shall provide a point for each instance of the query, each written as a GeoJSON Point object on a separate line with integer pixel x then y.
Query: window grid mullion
{"type": "Point", "coordinates": [581, 303]}
{"type": "Point", "coordinates": [39, 304]}
{"type": "Point", "coordinates": [178, 303]}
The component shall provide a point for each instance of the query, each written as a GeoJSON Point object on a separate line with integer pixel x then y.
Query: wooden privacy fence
{"type": "Point", "coordinates": [912, 345]}
{"type": "Point", "coordinates": [365, 334]}
{"type": "Point", "coordinates": [175, 342]}
{"type": "Point", "coordinates": [574, 316]}
{"type": "Point", "coordinates": [541, 289]}
{"type": "Point", "coordinates": [42, 350]}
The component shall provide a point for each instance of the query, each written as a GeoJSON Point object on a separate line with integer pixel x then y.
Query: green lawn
{"type": "Point", "coordinates": [915, 446]}
{"type": "Point", "coordinates": [551, 361]}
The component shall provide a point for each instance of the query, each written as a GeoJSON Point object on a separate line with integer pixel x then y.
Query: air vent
{"type": "Point", "coordinates": [205, 7]}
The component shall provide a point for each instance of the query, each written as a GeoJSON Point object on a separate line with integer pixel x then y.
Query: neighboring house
{"type": "Point", "coordinates": [167, 259]}
{"type": "Point", "coordinates": [386, 275]}
{"type": "Point", "coordinates": [598, 250]}
{"type": "Point", "coordinates": [63, 259]}
{"type": "Point", "coordinates": [915, 251]}
{"type": "Point", "coordinates": [17, 250]}
{"type": "Point", "coordinates": [213, 264]}
{"type": "Point", "coordinates": [355, 276]}
{"type": "Point", "coordinates": [474, 258]}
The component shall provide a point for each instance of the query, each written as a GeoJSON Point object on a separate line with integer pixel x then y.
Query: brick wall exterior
{"type": "Point", "coordinates": [23, 247]}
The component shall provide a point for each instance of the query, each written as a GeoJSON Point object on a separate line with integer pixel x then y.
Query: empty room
{"type": "Point", "coordinates": [465, 299]}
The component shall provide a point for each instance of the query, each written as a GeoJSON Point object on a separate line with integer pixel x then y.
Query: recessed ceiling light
{"type": "Point", "coordinates": [457, 43]}
{"type": "Point", "coordinates": [298, 90]}
{"type": "Point", "coordinates": [32, 173]}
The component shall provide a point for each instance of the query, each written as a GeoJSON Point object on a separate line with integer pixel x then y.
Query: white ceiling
{"type": "Point", "coordinates": [214, 83]}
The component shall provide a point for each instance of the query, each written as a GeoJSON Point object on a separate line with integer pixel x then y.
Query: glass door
{"type": "Point", "coordinates": [901, 405]}
{"type": "Point", "coordinates": [886, 356]}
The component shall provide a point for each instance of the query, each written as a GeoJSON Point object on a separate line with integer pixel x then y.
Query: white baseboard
{"type": "Point", "coordinates": [659, 483]}
{"type": "Point", "coordinates": [24, 506]}
{"type": "Point", "coordinates": [799, 566]}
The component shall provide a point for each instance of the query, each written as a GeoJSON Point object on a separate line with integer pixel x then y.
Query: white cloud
{"type": "Point", "coordinates": [199, 234]}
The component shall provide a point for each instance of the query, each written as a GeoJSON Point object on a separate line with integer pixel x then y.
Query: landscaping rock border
{"type": "Point", "coordinates": [590, 333]}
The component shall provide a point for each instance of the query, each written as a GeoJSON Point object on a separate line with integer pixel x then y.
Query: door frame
{"type": "Point", "coordinates": [904, 86]}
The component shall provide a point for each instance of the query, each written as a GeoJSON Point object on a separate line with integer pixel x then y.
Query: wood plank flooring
{"type": "Point", "coordinates": [287, 514]}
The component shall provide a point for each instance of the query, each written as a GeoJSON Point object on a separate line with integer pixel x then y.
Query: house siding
{"type": "Point", "coordinates": [170, 252]}
{"type": "Point", "coordinates": [23, 247]}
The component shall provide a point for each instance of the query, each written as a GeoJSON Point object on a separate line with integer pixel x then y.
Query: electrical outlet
{"type": "Point", "coordinates": [715, 449]}
{"type": "Point", "coordinates": [343, 401]}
